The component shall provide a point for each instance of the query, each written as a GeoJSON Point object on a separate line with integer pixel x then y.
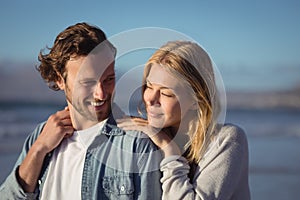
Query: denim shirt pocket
{"type": "Point", "coordinates": [118, 187]}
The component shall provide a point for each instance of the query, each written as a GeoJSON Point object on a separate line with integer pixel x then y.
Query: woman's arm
{"type": "Point", "coordinates": [222, 174]}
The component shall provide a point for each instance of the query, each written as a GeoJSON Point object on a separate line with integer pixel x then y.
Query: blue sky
{"type": "Point", "coordinates": [255, 44]}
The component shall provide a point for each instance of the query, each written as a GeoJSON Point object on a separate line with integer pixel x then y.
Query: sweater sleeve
{"type": "Point", "coordinates": [219, 175]}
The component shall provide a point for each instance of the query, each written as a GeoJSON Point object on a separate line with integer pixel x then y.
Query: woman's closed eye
{"type": "Point", "coordinates": [168, 94]}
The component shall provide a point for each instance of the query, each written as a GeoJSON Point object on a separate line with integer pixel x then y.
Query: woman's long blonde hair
{"type": "Point", "coordinates": [194, 66]}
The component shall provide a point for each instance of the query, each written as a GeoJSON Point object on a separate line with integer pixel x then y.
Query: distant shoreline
{"type": "Point", "coordinates": [289, 99]}
{"type": "Point", "coordinates": [235, 100]}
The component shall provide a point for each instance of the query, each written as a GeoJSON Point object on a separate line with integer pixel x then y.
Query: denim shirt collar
{"type": "Point", "coordinates": [110, 127]}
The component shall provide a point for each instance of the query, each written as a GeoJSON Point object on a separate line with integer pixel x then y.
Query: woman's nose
{"type": "Point", "coordinates": [152, 98]}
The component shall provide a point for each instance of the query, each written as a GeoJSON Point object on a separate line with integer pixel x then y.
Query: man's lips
{"type": "Point", "coordinates": [98, 103]}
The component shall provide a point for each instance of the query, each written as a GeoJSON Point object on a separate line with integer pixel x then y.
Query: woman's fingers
{"type": "Point", "coordinates": [131, 122]}
{"type": "Point", "coordinates": [138, 124]}
{"type": "Point", "coordinates": [160, 137]}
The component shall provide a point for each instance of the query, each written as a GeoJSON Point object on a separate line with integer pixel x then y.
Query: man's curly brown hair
{"type": "Point", "coordinates": [76, 40]}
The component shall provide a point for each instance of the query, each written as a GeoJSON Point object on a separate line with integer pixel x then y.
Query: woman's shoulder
{"type": "Point", "coordinates": [230, 142]}
{"type": "Point", "coordinates": [232, 133]}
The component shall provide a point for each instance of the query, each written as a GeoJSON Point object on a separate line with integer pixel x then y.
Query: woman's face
{"type": "Point", "coordinates": [167, 101]}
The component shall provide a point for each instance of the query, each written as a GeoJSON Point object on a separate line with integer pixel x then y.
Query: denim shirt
{"type": "Point", "coordinates": [123, 166]}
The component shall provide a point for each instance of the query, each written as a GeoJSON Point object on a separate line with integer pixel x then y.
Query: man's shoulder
{"type": "Point", "coordinates": [135, 140]}
{"type": "Point", "coordinates": [111, 128]}
{"type": "Point", "coordinates": [36, 132]}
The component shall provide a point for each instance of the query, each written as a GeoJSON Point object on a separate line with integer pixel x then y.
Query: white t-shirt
{"type": "Point", "coordinates": [64, 176]}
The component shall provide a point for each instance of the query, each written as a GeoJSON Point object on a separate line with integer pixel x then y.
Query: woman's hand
{"type": "Point", "coordinates": [160, 137]}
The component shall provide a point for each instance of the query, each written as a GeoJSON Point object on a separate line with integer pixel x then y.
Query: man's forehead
{"type": "Point", "coordinates": [95, 71]}
{"type": "Point", "coordinates": [99, 59]}
{"type": "Point", "coordinates": [97, 62]}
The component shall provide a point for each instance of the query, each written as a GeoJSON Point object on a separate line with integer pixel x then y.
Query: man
{"type": "Point", "coordinates": [80, 153]}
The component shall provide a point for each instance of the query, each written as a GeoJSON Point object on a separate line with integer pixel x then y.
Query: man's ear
{"type": "Point", "coordinates": [61, 83]}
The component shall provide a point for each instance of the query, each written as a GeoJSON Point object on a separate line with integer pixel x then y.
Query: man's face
{"type": "Point", "coordinates": [89, 88]}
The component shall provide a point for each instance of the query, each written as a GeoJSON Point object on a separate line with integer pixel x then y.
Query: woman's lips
{"type": "Point", "coordinates": [154, 114]}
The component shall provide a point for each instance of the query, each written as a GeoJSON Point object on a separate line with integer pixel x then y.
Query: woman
{"type": "Point", "coordinates": [203, 159]}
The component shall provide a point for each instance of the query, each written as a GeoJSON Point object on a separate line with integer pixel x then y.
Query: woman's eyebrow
{"type": "Point", "coordinates": [148, 82]}
{"type": "Point", "coordinates": [162, 87]}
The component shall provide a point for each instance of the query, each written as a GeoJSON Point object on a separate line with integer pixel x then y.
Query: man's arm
{"type": "Point", "coordinates": [58, 126]}
{"type": "Point", "coordinates": [23, 179]}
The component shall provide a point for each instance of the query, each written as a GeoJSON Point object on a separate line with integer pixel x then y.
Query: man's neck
{"type": "Point", "coordinates": [80, 122]}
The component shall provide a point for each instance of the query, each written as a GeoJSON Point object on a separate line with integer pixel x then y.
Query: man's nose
{"type": "Point", "coordinates": [100, 92]}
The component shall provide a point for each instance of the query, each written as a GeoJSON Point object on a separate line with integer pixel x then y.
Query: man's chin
{"type": "Point", "coordinates": [102, 115]}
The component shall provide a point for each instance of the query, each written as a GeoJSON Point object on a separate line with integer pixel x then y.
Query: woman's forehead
{"type": "Point", "coordinates": [160, 76]}
{"type": "Point", "coordinates": [163, 78]}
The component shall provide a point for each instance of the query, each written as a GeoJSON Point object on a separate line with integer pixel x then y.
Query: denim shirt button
{"type": "Point", "coordinates": [39, 182]}
{"type": "Point", "coordinates": [122, 188]}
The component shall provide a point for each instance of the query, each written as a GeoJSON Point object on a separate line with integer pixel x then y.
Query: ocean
{"type": "Point", "coordinates": [273, 137]}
